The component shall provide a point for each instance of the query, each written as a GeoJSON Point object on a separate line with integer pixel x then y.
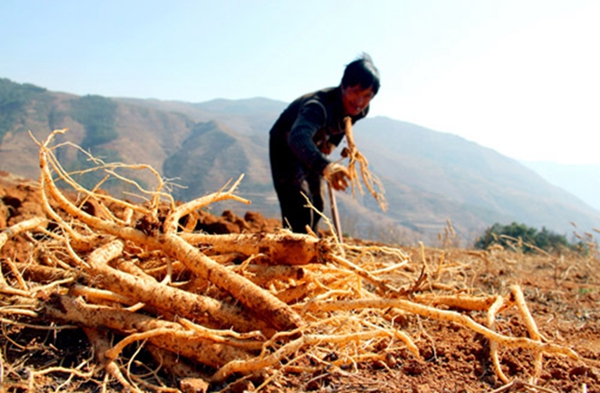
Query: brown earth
{"type": "Point", "coordinates": [562, 292]}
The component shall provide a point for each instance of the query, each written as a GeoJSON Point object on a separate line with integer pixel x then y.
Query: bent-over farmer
{"type": "Point", "coordinates": [307, 132]}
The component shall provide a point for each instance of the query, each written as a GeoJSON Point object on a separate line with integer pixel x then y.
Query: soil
{"type": "Point", "coordinates": [562, 292]}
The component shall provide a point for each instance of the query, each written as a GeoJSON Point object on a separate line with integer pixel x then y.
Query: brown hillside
{"type": "Point", "coordinates": [430, 177]}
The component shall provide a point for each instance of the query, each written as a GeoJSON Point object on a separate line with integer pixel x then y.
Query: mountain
{"type": "Point", "coordinates": [250, 116]}
{"type": "Point", "coordinates": [430, 177]}
{"type": "Point", "coordinates": [474, 184]}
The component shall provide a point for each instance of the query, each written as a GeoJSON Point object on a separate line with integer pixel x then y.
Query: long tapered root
{"type": "Point", "coordinates": [358, 164]}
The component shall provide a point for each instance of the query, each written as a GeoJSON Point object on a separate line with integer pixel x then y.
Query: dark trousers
{"type": "Point", "coordinates": [295, 187]}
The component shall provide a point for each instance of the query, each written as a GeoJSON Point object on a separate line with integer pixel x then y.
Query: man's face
{"type": "Point", "coordinates": [356, 99]}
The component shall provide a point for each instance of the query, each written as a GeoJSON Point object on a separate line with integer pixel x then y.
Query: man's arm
{"type": "Point", "coordinates": [311, 117]}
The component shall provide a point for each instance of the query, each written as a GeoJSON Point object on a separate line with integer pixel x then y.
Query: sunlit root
{"type": "Point", "coordinates": [372, 183]}
{"type": "Point", "coordinates": [263, 274]}
{"type": "Point", "coordinates": [101, 344]}
{"type": "Point", "coordinates": [532, 328]}
{"type": "Point", "coordinates": [490, 322]}
{"type": "Point", "coordinates": [20, 227]}
{"type": "Point", "coordinates": [444, 315]}
{"type": "Point", "coordinates": [190, 344]}
{"type": "Point", "coordinates": [5, 235]}
{"type": "Point", "coordinates": [44, 274]}
{"type": "Point", "coordinates": [283, 247]}
{"type": "Point", "coordinates": [274, 358]}
{"type": "Point", "coordinates": [457, 302]}
{"type": "Point", "coordinates": [262, 302]}
{"type": "Point", "coordinates": [249, 294]}
{"type": "Point", "coordinates": [203, 309]}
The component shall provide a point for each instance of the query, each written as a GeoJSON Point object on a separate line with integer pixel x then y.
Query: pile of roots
{"type": "Point", "coordinates": [168, 308]}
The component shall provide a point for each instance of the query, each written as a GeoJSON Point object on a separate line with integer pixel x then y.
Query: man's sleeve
{"type": "Point", "coordinates": [311, 117]}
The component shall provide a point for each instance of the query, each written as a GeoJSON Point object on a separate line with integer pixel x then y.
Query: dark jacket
{"type": "Point", "coordinates": [307, 124]}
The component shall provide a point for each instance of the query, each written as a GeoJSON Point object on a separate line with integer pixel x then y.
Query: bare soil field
{"type": "Point", "coordinates": [364, 317]}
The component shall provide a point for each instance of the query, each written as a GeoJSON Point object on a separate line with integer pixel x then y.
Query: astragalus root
{"type": "Point", "coordinates": [250, 295]}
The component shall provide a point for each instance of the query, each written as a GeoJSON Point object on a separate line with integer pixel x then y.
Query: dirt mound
{"type": "Point", "coordinates": [20, 199]}
{"type": "Point", "coordinates": [562, 292]}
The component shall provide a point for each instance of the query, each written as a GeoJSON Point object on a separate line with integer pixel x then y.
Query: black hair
{"type": "Point", "coordinates": [361, 72]}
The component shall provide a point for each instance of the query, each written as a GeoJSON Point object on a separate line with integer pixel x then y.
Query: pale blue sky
{"type": "Point", "coordinates": [518, 76]}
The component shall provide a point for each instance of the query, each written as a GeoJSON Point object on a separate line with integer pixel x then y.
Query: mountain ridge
{"type": "Point", "coordinates": [430, 177]}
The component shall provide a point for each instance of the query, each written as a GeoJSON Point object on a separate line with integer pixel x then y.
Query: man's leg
{"type": "Point", "coordinates": [294, 213]}
{"type": "Point", "coordinates": [315, 185]}
{"type": "Point", "coordinates": [290, 183]}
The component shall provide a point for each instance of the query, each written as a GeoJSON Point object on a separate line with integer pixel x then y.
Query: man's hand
{"type": "Point", "coordinates": [326, 148]}
{"type": "Point", "coordinates": [337, 175]}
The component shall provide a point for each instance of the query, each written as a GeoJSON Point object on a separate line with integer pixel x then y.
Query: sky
{"type": "Point", "coordinates": [521, 77]}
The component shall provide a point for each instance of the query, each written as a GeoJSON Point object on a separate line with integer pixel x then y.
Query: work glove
{"type": "Point", "coordinates": [337, 175]}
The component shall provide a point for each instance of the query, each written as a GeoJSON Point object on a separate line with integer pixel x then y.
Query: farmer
{"type": "Point", "coordinates": [306, 133]}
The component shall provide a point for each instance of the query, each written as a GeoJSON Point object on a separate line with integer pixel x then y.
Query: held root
{"type": "Point", "coordinates": [372, 183]}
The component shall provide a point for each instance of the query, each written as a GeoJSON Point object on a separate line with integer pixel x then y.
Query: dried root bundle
{"type": "Point", "coordinates": [132, 278]}
{"type": "Point", "coordinates": [372, 183]}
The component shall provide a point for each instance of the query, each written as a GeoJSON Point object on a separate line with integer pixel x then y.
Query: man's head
{"type": "Point", "coordinates": [360, 84]}
{"type": "Point", "coordinates": [361, 72]}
